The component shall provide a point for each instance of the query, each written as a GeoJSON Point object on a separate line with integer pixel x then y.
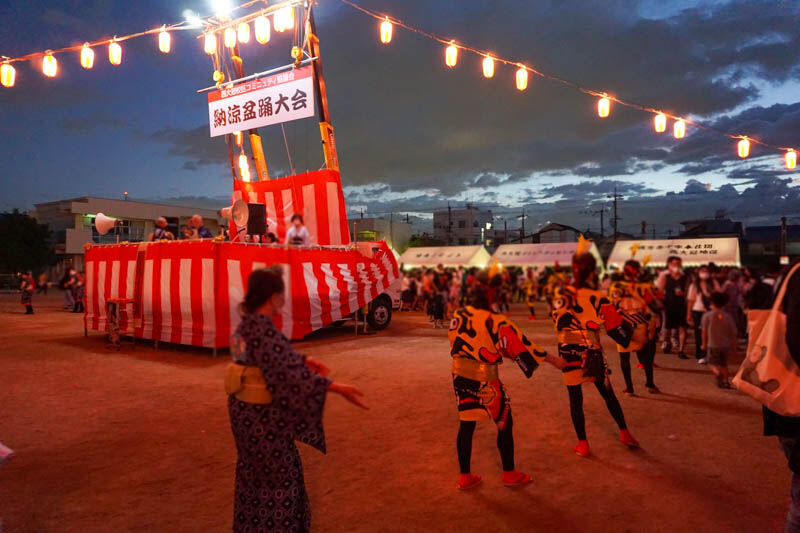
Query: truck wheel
{"type": "Point", "coordinates": [380, 314]}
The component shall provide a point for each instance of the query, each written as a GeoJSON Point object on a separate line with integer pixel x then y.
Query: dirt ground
{"type": "Point", "coordinates": [139, 440]}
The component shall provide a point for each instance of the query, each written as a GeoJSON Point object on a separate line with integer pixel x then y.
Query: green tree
{"type": "Point", "coordinates": [24, 243]}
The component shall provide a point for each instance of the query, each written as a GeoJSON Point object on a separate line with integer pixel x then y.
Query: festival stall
{"type": "Point", "coordinates": [188, 292]}
{"type": "Point", "coordinates": [723, 251]}
{"type": "Point", "coordinates": [449, 256]}
{"type": "Point", "coordinates": [540, 255]}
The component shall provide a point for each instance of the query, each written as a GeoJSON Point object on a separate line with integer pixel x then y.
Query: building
{"type": "Point", "coordinates": [72, 224]}
{"type": "Point", "coordinates": [719, 226]}
{"type": "Point", "coordinates": [396, 234]}
{"type": "Point", "coordinates": [463, 226]}
{"type": "Point", "coordinates": [766, 240]}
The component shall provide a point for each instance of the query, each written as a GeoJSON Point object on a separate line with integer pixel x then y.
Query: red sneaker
{"type": "Point", "coordinates": [468, 481]}
{"type": "Point", "coordinates": [627, 439]}
{"type": "Point", "coordinates": [582, 448]}
{"type": "Point", "coordinates": [514, 478]}
{"type": "Point", "coordinates": [639, 365]}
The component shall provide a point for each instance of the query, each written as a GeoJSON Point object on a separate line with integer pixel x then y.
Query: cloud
{"type": "Point", "coordinates": [192, 145]}
{"type": "Point", "coordinates": [89, 124]}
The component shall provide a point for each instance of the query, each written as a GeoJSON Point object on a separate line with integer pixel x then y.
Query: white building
{"type": "Point", "coordinates": [72, 224]}
{"type": "Point", "coordinates": [464, 226]}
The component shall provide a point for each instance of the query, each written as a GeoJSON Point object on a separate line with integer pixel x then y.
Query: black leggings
{"type": "Point", "coordinates": [576, 407]}
{"type": "Point", "coordinates": [645, 356]}
{"type": "Point", "coordinates": [505, 443]}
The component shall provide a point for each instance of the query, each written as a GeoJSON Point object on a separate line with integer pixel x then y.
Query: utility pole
{"type": "Point", "coordinates": [391, 228]}
{"type": "Point", "coordinates": [616, 219]}
{"type": "Point", "coordinates": [522, 231]}
{"type": "Point", "coordinates": [505, 231]}
{"type": "Point", "coordinates": [362, 212]}
{"type": "Point", "coordinates": [654, 230]}
{"type": "Point", "coordinates": [407, 220]}
{"type": "Point", "coordinates": [784, 230]}
{"type": "Point", "coordinates": [449, 224]}
{"type": "Point", "coordinates": [644, 229]}
{"type": "Point", "coordinates": [602, 213]}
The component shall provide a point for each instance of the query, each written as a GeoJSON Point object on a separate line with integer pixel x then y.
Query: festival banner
{"type": "Point", "coordinates": [271, 100]}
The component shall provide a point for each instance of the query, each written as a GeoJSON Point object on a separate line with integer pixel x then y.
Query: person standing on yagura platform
{"type": "Point", "coordinates": [479, 340]}
{"type": "Point", "coordinates": [276, 397]}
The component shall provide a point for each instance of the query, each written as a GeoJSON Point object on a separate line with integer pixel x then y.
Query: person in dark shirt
{"type": "Point", "coordinates": [787, 428]}
{"type": "Point", "coordinates": [200, 231]}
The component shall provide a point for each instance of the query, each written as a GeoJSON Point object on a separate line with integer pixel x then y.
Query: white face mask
{"type": "Point", "coordinates": [704, 275]}
{"type": "Point", "coordinates": [675, 269]}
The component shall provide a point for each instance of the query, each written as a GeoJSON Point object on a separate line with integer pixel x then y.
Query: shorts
{"type": "Point", "coordinates": [717, 356]}
{"type": "Point", "coordinates": [675, 315]}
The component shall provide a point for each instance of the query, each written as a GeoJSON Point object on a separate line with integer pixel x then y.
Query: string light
{"type": "Point", "coordinates": [262, 29]}
{"type": "Point", "coordinates": [164, 40]}
{"type": "Point", "coordinates": [210, 45]}
{"type": "Point", "coordinates": [87, 56]}
{"type": "Point", "coordinates": [386, 31]}
{"type": "Point", "coordinates": [791, 159]}
{"type": "Point", "coordinates": [243, 33]}
{"type": "Point", "coordinates": [49, 65]}
{"type": "Point", "coordinates": [488, 67]}
{"type": "Point", "coordinates": [451, 55]}
{"type": "Point", "coordinates": [522, 78]}
{"type": "Point", "coordinates": [744, 148]}
{"type": "Point", "coordinates": [230, 37]}
{"type": "Point", "coordinates": [8, 75]}
{"type": "Point", "coordinates": [679, 129]}
{"type": "Point", "coordinates": [660, 123]}
{"type": "Point", "coordinates": [114, 53]}
{"type": "Point", "coordinates": [603, 107]}
{"type": "Point", "coordinates": [284, 19]}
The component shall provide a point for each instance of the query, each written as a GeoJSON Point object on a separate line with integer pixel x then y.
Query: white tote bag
{"type": "Point", "coordinates": [769, 373]}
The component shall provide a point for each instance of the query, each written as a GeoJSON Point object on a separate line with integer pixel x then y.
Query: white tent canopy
{"type": "Point", "coordinates": [540, 255]}
{"type": "Point", "coordinates": [467, 256]}
{"type": "Point", "coordinates": [722, 251]}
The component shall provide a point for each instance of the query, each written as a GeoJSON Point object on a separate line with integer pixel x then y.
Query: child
{"type": "Point", "coordinates": [719, 338]}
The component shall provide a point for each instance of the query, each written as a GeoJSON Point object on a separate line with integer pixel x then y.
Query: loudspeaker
{"type": "Point", "coordinates": [257, 219]}
{"type": "Point", "coordinates": [103, 223]}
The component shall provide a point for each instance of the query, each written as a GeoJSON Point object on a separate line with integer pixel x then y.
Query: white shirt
{"type": "Point", "coordinates": [298, 237]}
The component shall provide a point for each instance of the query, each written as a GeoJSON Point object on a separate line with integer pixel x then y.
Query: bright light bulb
{"type": "Point", "coordinates": [87, 56]}
{"type": "Point", "coordinates": [522, 78]}
{"type": "Point", "coordinates": [243, 32]}
{"type": "Point", "coordinates": [192, 18]}
{"type": "Point", "coordinates": [230, 37]}
{"type": "Point", "coordinates": [660, 123]}
{"type": "Point", "coordinates": [237, 135]}
{"type": "Point", "coordinates": [744, 148]}
{"type": "Point", "coordinates": [603, 107]}
{"type": "Point", "coordinates": [49, 65]}
{"type": "Point", "coordinates": [164, 41]}
{"type": "Point", "coordinates": [679, 129]}
{"type": "Point", "coordinates": [284, 19]}
{"type": "Point", "coordinates": [262, 29]}
{"type": "Point", "coordinates": [8, 75]}
{"type": "Point", "coordinates": [451, 55]}
{"type": "Point", "coordinates": [114, 53]}
{"type": "Point", "coordinates": [488, 67]}
{"type": "Point", "coordinates": [386, 31]}
{"type": "Point", "coordinates": [210, 44]}
{"type": "Point", "coordinates": [790, 158]}
{"type": "Point", "coordinates": [222, 8]}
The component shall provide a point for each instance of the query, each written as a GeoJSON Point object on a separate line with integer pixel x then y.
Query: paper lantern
{"type": "Point", "coordinates": [284, 19]}
{"type": "Point", "coordinates": [603, 107]}
{"type": "Point", "coordinates": [243, 33]}
{"type": "Point", "coordinates": [164, 41]}
{"type": "Point", "coordinates": [660, 123]}
{"type": "Point", "coordinates": [386, 31]}
{"type": "Point", "coordinates": [679, 129]}
{"type": "Point", "coordinates": [230, 37]}
{"type": "Point", "coordinates": [451, 55]}
{"type": "Point", "coordinates": [114, 53]}
{"type": "Point", "coordinates": [488, 67]}
{"type": "Point", "coordinates": [262, 29]}
{"type": "Point", "coordinates": [210, 44]}
{"type": "Point", "coordinates": [49, 65]}
{"type": "Point", "coordinates": [8, 75]}
{"type": "Point", "coordinates": [244, 169]}
{"type": "Point", "coordinates": [744, 148]}
{"type": "Point", "coordinates": [790, 157]}
{"type": "Point", "coordinates": [87, 56]}
{"type": "Point", "coordinates": [522, 78]}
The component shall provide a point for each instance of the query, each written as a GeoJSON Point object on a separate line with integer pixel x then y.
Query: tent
{"type": "Point", "coordinates": [540, 255]}
{"type": "Point", "coordinates": [467, 256]}
{"type": "Point", "coordinates": [721, 251]}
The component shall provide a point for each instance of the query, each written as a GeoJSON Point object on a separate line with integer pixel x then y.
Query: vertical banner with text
{"type": "Point", "coordinates": [279, 98]}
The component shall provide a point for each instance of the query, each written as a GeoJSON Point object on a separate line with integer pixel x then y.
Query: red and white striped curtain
{"type": "Point", "coordinates": [188, 292]}
{"type": "Point", "coordinates": [316, 195]}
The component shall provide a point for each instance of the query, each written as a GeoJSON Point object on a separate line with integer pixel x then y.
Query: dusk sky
{"type": "Point", "coordinates": [413, 134]}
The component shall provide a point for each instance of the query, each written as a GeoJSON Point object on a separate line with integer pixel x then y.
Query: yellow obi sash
{"type": "Point", "coordinates": [475, 370]}
{"type": "Point", "coordinates": [247, 384]}
{"type": "Point", "coordinates": [588, 338]}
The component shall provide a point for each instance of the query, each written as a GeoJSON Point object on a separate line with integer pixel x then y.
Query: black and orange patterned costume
{"type": "Point", "coordinates": [479, 340]}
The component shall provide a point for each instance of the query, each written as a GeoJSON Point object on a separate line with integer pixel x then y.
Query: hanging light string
{"type": "Point", "coordinates": [575, 85]}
